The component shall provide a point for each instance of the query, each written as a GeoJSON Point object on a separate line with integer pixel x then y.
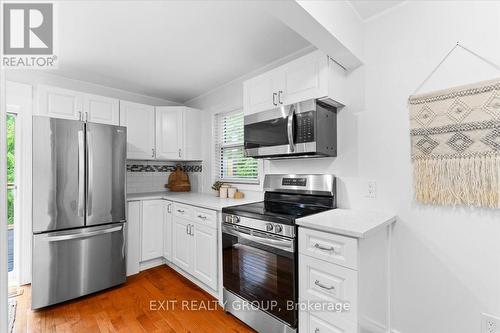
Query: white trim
{"type": "Point", "coordinates": [151, 263]}
{"type": "Point", "coordinates": [3, 210]}
{"type": "Point", "coordinates": [22, 105]}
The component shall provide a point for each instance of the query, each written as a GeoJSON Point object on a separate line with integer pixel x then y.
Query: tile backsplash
{"type": "Point", "coordinates": [151, 176]}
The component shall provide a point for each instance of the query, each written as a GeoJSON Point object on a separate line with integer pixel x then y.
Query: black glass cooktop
{"type": "Point", "coordinates": [275, 211]}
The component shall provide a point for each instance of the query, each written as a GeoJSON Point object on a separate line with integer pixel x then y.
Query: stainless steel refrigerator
{"type": "Point", "coordinates": [78, 209]}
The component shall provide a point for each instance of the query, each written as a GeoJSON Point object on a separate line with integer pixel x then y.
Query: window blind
{"type": "Point", "coordinates": [231, 165]}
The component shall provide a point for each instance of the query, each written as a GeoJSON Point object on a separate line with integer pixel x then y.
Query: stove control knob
{"type": "Point", "coordinates": [278, 228]}
{"type": "Point", "coordinates": [269, 227]}
{"type": "Point", "coordinates": [236, 219]}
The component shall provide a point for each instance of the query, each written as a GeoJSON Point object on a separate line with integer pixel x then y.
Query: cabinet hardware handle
{"type": "Point", "coordinates": [324, 248]}
{"type": "Point", "coordinates": [279, 97]}
{"type": "Point", "coordinates": [316, 330]}
{"type": "Point", "coordinates": [86, 116]}
{"type": "Point", "coordinates": [179, 152]}
{"type": "Point", "coordinates": [180, 210]}
{"type": "Point", "coordinates": [203, 217]}
{"type": "Point", "coordinates": [192, 230]}
{"type": "Point", "coordinates": [80, 116]}
{"type": "Point", "coordinates": [274, 99]}
{"type": "Point", "coordinates": [152, 152]}
{"type": "Point", "coordinates": [319, 284]}
{"type": "Point", "coordinates": [187, 229]}
{"type": "Point", "coordinates": [169, 208]}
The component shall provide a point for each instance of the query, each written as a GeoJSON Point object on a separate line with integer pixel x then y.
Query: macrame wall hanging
{"type": "Point", "coordinates": [455, 143]}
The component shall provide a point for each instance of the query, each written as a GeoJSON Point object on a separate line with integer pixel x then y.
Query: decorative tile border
{"type": "Point", "coordinates": [161, 168]}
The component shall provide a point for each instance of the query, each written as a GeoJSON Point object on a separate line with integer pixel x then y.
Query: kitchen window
{"type": "Point", "coordinates": [231, 165]}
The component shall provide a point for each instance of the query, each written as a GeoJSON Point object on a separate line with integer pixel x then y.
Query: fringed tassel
{"type": "Point", "coordinates": [471, 181]}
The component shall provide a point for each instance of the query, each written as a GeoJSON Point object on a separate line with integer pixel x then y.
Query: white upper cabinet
{"type": "Point", "coordinates": [153, 215]}
{"type": "Point", "coordinates": [100, 109]}
{"type": "Point", "coordinates": [169, 125]}
{"type": "Point", "coordinates": [69, 104]}
{"type": "Point", "coordinates": [59, 103]}
{"type": "Point", "coordinates": [178, 133]}
{"type": "Point", "coordinates": [310, 76]}
{"type": "Point", "coordinates": [261, 92]}
{"type": "Point", "coordinates": [140, 122]}
{"type": "Point", "coordinates": [304, 78]}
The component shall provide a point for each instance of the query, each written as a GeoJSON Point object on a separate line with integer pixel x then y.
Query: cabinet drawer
{"type": "Point", "coordinates": [184, 211]}
{"type": "Point", "coordinates": [205, 216]}
{"type": "Point", "coordinates": [334, 248]}
{"type": "Point", "coordinates": [309, 323]}
{"type": "Point", "coordinates": [322, 282]}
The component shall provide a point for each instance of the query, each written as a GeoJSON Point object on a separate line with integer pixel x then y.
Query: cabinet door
{"type": "Point", "coordinates": [133, 226]}
{"type": "Point", "coordinates": [140, 122]}
{"type": "Point", "coordinates": [181, 243]}
{"type": "Point", "coordinates": [167, 232]}
{"type": "Point", "coordinates": [169, 132]}
{"type": "Point", "coordinates": [100, 109]}
{"type": "Point", "coordinates": [192, 134]}
{"type": "Point", "coordinates": [59, 103]}
{"type": "Point", "coordinates": [260, 93]}
{"type": "Point", "coordinates": [305, 78]}
{"type": "Point", "coordinates": [205, 255]}
{"type": "Point", "coordinates": [153, 213]}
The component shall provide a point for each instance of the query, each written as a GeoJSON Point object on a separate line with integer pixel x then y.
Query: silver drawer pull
{"type": "Point", "coordinates": [324, 248]}
{"type": "Point", "coordinates": [180, 210]}
{"type": "Point", "coordinates": [203, 217]}
{"type": "Point", "coordinates": [316, 330]}
{"type": "Point", "coordinates": [319, 284]}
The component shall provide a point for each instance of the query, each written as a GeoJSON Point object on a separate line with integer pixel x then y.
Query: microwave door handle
{"type": "Point", "coordinates": [291, 114]}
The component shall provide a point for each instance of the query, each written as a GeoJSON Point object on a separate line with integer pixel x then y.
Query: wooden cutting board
{"type": "Point", "coordinates": [178, 181]}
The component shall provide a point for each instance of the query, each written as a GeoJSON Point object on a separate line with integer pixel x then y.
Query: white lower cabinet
{"type": "Point", "coordinates": [336, 271]}
{"type": "Point", "coordinates": [195, 244]}
{"type": "Point", "coordinates": [153, 214]}
{"type": "Point", "coordinates": [182, 249]}
{"type": "Point", "coordinates": [183, 235]}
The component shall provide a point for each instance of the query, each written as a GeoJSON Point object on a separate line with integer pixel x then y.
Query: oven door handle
{"type": "Point", "coordinates": [290, 133]}
{"type": "Point", "coordinates": [285, 245]}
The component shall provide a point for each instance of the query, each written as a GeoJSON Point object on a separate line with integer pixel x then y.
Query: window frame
{"type": "Point", "coordinates": [218, 146]}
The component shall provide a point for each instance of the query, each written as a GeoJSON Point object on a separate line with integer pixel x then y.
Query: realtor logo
{"type": "Point", "coordinates": [28, 35]}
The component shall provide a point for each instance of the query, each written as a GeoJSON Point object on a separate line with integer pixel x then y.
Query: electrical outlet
{"type": "Point", "coordinates": [371, 189]}
{"type": "Point", "coordinates": [490, 323]}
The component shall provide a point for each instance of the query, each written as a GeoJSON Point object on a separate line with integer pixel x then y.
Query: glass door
{"type": "Point", "coordinates": [11, 199]}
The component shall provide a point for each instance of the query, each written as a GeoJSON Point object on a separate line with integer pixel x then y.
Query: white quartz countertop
{"type": "Point", "coordinates": [348, 222]}
{"type": "Point", "coordinates": [203, 200]}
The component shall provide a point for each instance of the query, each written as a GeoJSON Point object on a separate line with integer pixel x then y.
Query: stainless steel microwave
{"type": "Point", "coordinates": [305, 129]}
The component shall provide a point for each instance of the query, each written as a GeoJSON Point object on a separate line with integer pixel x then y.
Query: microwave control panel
{"type": "Point", "coordinates": [305, 127]}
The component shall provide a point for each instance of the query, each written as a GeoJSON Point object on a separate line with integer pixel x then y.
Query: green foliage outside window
{"type": "Point", "coordinates": [11, 131]}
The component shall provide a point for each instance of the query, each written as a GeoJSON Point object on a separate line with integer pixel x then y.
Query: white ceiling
{"type": "Point", "coordinates": [174, 50]}
{"type": "Point", "coordinates": [369, 8]}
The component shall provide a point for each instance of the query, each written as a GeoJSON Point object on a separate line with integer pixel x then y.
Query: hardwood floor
{"type": "Point", "coordinates": [133, 307]}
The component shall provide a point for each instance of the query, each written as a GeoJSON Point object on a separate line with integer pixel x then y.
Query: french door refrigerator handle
{"type": "Point", "coordinates": [83, 234]}
{"type": "Point", "coordinates": [291, 114]}
{"type": "Point", "coordinates": [90, 172]}
{"type": "Point", "coordinates": [81, 173]}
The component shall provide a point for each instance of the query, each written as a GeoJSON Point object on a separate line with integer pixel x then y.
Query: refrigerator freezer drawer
{"type": "Point", "coordinates": [73, 263]}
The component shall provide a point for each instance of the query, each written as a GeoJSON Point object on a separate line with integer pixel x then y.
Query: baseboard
{"type": "Point", "coordinates": [372, 326]}
{"type": "Point", "coordinates": [151, 263]}
{"type": "Point", "coordinates": [191, 278]}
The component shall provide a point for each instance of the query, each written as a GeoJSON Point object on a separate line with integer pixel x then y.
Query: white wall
{"type": "Point", "coordinates": [446, 266]}
{"type": "Point", "coordinates": [446, 260]}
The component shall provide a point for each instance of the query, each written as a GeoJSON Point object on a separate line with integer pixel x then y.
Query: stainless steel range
{"type": "Point", "coordinates": [259, 250]}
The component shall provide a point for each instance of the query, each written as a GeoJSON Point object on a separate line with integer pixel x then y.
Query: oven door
{"type": "Point", "coordinates": [261, 268]}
